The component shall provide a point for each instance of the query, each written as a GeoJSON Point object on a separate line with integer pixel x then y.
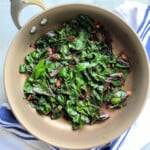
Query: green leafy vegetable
{"type": "Point", "coordinates": [72, 72]}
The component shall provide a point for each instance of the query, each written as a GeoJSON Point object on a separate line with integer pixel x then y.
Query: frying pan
{"type": "Point", "coordinates": [59, 132]}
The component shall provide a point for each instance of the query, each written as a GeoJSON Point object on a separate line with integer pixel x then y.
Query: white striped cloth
{"type": "Point", "coordinates": [136, 137]}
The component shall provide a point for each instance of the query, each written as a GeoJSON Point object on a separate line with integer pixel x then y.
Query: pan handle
{"type": "Point", "coordinates": [18, 5]}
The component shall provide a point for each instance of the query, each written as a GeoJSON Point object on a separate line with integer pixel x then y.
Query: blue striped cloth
{"type": "Point", "coordinates": [138, 16]}
{"type": "Point", "coordinates": [144, 30]}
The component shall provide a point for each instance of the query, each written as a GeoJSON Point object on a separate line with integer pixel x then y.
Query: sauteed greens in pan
{"type": "Point", "coordinates": [73, 72]}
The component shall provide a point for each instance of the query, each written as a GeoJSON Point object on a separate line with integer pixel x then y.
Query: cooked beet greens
{"type": "Point", "coordinates": [72, 72]}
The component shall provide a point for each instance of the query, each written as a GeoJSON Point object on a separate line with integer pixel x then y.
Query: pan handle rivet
{"type": "Point", "coordinates": [43, 21]}
{"type": "Point", "coordinates": [33, 29]}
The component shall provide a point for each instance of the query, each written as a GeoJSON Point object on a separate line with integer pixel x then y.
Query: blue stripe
{"type": "Point", "coordinates": [145, 33]}
{"type": "Point", "coordinates": [26, 138]}
{"type": "Point", "coordinates": [114, 143]}
{"type": "Point", "coordinates": [54, 148]}
{"type": "Point", "coordinates": [7, 115]}
{"type": "Point", "coordinates": [144, 19]}
{"type": "Point", "coordinates": [147, 46]}
{"type": "Point", "coordinates": [123, 139]}
{"type": "Point", "coordinates": [107, 147]}
{"type": "Point", "coordinates": [3, 124]}
{"type": "Point", "coordinates": [18, 129]}
{"type": "Point", "coordinates": [14, 127]}
{"type": "Point", "coordinates": [6, 124]}
{"type": "Point", "coordinates": [145, 29]}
